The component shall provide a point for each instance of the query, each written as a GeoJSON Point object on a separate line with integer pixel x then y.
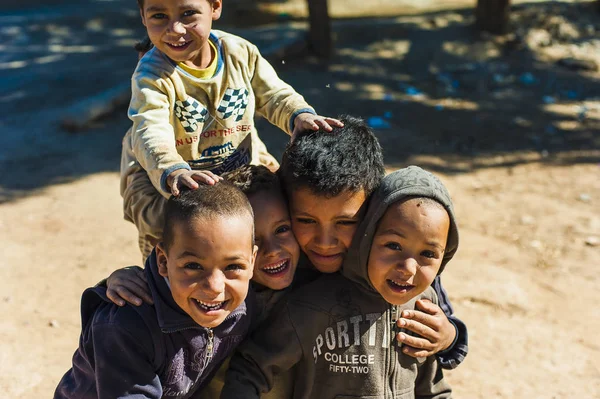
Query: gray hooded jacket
{"type": "Point", "coordinates": [338, 333]}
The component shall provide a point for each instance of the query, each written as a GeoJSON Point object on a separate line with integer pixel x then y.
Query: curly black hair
{"type": "Point", "coordinates": [329, 163]}
{"type": "Point", "coordinates": [252, 179]}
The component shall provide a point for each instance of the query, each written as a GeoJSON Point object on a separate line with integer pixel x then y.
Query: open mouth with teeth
{"type": "Point", "coordinates": [277, 269]}
{"type": "Point", "coordinates": [399, 287]}
{"type": "Point", "coordinates": [178, 46]}
{"type": "Point", "coordinates": [208, 307]}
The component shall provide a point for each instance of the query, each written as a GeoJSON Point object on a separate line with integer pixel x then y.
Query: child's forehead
{"type": "Point", "coordinates": [306, 194]}
{"type": "Point", "coordinates": [409, 211]}
{"type": "Point", "coordinates": [179, 3]}
{"type": "Point", "coordinates": [205, 224]}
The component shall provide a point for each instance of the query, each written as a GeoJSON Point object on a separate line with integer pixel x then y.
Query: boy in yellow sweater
{"type": "Point", "coordinates": [194, 96]}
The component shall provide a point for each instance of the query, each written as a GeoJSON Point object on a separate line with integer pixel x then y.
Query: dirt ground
{"type": "Point", "coordinates": [513, 134]}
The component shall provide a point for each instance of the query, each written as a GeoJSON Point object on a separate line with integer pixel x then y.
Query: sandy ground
{"type": "Point", "coordinates": [524, 171]}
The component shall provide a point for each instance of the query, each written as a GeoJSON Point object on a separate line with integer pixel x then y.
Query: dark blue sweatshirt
{"type": "Point", "coordinates": [150, 351]}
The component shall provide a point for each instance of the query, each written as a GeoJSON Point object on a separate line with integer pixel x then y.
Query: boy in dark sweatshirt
{"type": "Point", "coordinates": [328, 178]}
{"type": "Point", "coordinates": [339, 332]}
{"type": "Point", "coordinates": [198, 277]}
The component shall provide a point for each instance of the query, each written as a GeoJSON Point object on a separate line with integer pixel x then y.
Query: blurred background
{"type": "Point", "coordinates": [500, 98]}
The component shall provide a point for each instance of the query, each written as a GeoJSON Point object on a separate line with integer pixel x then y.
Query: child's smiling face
{"type": "Point", "coordinates": [408, 249]}
{"type": "Point", "coordinates": [209, 265]}
{"type": "Point", "coordinates": [324, 226]}
{"type": "Point", "coordinates": [181, 28]}
{"type": "Point", "coordinates": [278, 250]}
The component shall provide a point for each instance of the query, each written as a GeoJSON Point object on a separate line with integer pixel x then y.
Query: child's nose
{"type": "Point", "coordinates": [269, 247]}
{"type": "Point", "coordinates": [215, 283]}
{"type": "Point", "coordinates": [177, 27]}
{"type": "Point", "coordinates": [408, 266]}
{"type": "Point", "coordinates": [326, 238]}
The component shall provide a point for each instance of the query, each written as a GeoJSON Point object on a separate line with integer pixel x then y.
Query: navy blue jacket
{"type": "Point", "coordinates": [150, 351]}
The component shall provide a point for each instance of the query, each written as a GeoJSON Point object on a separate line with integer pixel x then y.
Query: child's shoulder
{"type": "Point", "coordinates": [99, 312]}
{"type": "Point", "coordinates": [153, 63]}
{"type": "Point", "coordinates": [232, 44]}
{"type": "Point", "coordinates": [428, 294]}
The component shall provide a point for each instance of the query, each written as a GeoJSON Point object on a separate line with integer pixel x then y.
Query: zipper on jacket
{"type": "Point", "coordinates": [394, 347]}
{"type": "Point", "coordinates": [209, 348]}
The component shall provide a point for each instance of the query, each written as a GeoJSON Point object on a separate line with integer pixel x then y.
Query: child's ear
{"type": "Point", "coordinates": [217, 7]}
{"type": "Point", "coordinates": [161, 260]}
{"type": "Point", "coordinates": [142, 16]}
{"type": "Point", "coordinates": [254, 253]}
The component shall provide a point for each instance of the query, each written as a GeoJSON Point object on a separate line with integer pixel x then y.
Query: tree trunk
{"type": "Point", "coordinates": [492, 15]}
{"type": "Point", "coordinates": [319, 35]}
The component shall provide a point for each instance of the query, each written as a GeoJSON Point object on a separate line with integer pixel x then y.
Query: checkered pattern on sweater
{"type": "Point", "coordinates": [234, 104]}
{"type": "Point", "coordinates": [190, 113]}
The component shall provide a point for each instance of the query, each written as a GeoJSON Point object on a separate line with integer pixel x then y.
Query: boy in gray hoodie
{"type": "Point", "coordinates": [339, 332]}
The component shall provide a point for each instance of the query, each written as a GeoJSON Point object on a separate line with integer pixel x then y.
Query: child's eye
{"type": "Point", "coordinates": [193, 266]}
{"type": "Point", "coordinates": [189, 13]}
{"type": "Point", "coordinates": [158, 16]}
{"type": "Point", "coordinates": [429, 254]}
{"type": "Point", "coordinates": [282, 229]}
{"type": "Point", "coordinates": [234, 267]}
{"type": "Point", "coordinates": [394, 246]}
{"type": "Point", "coordinates": [347, 222]}
{"type": "Point", "coordinates": [305, 221]}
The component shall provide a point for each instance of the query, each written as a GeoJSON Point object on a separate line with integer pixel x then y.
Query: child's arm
{"type": "Point", "coordinates": [123, 366]}
{"type": "Point", "coordinates": [440, 332]}
{"type": "Point", "coordinates": [280, 104]}
{"type": "Point", "coordinates": [272, 348]}
{"type": "Point", "coordinates": [153, 137]}
{"type": "Point", "coordinates": [128, 284]}
{"type": "Point", "coordinates": [114, 358]}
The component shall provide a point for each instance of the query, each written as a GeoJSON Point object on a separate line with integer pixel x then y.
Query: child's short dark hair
{"type": "Point", "coordinates": [329, 163]}
{"type": "Point", "coordinates": [141, 3]}
{"type": "Point", "coordinates": [252, 179]}
{"type": "Point", "coordinates": [144, 45]}
{"type": "Point", "coordinates": [220, 200]}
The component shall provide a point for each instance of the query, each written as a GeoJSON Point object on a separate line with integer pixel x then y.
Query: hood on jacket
{"type": "Point", "coordinates": [408, 182]}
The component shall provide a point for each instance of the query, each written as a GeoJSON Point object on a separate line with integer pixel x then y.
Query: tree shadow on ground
{"type": "Point", "coordinates": [442, 95]}
{"type": "Point", "coordinates": [437, 93]}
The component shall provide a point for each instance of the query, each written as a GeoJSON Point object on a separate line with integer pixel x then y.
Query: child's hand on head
{"type": "Point", "coordinates": [436, 332]}
{"type": "Point", "coordinates": [128, 284]}
{"type": "Point", "coordinates": [190, 178]}
{"type": "Point", "coordinates": [308, 121]}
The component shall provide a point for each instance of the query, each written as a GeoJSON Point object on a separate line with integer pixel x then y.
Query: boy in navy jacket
{"type": "Point", "coordinates": [199, 277]}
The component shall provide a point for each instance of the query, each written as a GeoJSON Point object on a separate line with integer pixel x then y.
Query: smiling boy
{"type": "Point", "coordinates": [194, 99]}
{"type": "Point", "coordinates": [349, 349]}
{"type": "Point", "coordinates": [327, 179]}
{"type": "Point", "coordinates": [278, 251]}
{"type": "Point", "coordinates": [198, 277]}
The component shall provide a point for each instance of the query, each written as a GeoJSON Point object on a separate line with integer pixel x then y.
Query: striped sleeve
{"type": "Point", "coordinates": [454, 355]}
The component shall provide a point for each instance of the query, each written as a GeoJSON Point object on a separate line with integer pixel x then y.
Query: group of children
{"type": "Point", "coordinates": [318, 281]}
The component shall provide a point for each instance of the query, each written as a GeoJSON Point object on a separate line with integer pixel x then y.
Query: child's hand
{"type": "Point", "coordinates": [190, 178]}
{"type": "Point", "coordinates": [435, 330]}
{"type": "Point", "coordinates": [307, 121]}
{"type": "Point", "coordinates": [128, 284]}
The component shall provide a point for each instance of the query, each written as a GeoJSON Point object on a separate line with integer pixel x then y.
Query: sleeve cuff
{"type": "Point", "coordinates": [455, 354]}
{"type": "Point", "coordinates": [167, 172]}
{"type": "Point", "coordinates": [300, 111]}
